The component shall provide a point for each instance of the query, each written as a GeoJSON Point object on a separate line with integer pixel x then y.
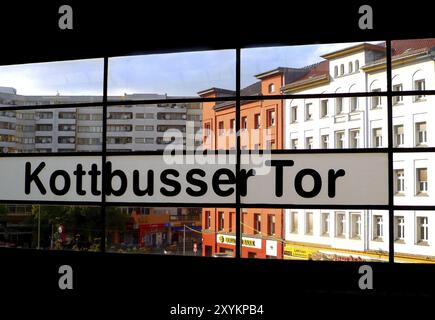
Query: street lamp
{"type": "Point", "coordinates": [39, 227]}
{"type": "Point", "coordinates": [184, 239]}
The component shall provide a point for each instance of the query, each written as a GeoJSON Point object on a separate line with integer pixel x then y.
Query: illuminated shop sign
{"type": "Point", "coordinates": [246, 242]}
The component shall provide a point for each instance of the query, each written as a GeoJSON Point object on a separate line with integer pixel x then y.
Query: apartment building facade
{"type": "Point", "coordinates": [361, 122]}
{"type": "Point", "coordinates": [129, 127]}
{"type": "Point", "coordinates": [261, 127]}
{"type": "Point", "coordinates": [79, 129]}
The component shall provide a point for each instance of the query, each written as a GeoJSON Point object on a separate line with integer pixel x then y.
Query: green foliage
{"type": "Point", "coordinates": [82, 224]}
{"type": "Point", "coordinates": [3, 210]}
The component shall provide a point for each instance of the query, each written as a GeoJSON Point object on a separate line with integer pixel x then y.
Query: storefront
{"type": "Point", "coordinates": [251, 247]}
{"type": "Point", "coordinates": [154, 235]}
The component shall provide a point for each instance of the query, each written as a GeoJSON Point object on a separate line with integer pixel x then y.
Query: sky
{"type": "Point", "coordinates": [175, 74]}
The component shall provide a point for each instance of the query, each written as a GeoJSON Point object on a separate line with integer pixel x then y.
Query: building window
{"type": "Point", "coordinates": [271, 224]}
{"type": "Point", "coordinates": [66, 127]}
{"type": "Point", "coordinates": [92, 129]}
{"type": "Point", "coordinates": [421, 180]}
{"type": "Point", "coordinates": [353, 103]}
{"type": "Point", "coordinates": [376, 100]}
{"type": "Point", "coordinates": [308, 111]}
{"type": "Point", "coordinates": [340, 224]}
{"type": "Point", "coordinates": [338, 105]}
{"type": "Point", "coordinates": [207, 131]}
{"type": "Point", "coordinates": [356, 65]}
{"type": "Point", "coordinates": [45, 115]}
{"type": "Point", "coordinates": [324, 141]}
{"type": "Point", "coordinates": [294, 223]}
{"type": "Point", "coordinates": [230, 222]}
{"type": "Point", "coordinates": [355, 225]}
{"type": "Point", "coordinates": [420, 134]}
{"type": "Point", "coordinates": [399, 223]}
{"type": "Point", "coordinates": [271, 88]}
{"type": "Point", "coordinates": [44, 127]}
{"type": "Point", "coordinates": [40, 139]}
{"type": "Point", "coordinates": [294, 114]}
{"type": "Point", "coordinates": [120, 115]}
{"type": "Point", "coordinates": [244, 215]}
{"type": "Point", "coordinates": [339, 140]}
{"type": "Point", "coordinates": [377, 137]}
{"type": "Point", "coordinates": [354, 138]}
{"type": "Point", "coordinates": [309, 223]}
{"type": "Point", "coordinates": [270, 118]}
{"type": "Point", "coordinates": [335, 71]}
{"type": "Point", "coordinates": [66, 140]}
{"type": "Point", "coordinates": [244, 124]}
{"type": "Point", "coordinates": [221, 221]}
{"type": "Point", "coordinates": [257, 223]}
{"type": "Point", "coordinates": [341, 69]}
{"type": "Point", "coordinates": [207, 219]}
{"type": "Point", "coordinates": [89, 141]}
{"type": "Point", "coordinates": [397, 99]}
{"type": "Point", "coordinates": [350, 67]}
{"type": "Point", "coordinates": [399, 176]}
{"type": "Point", "coordinates": [325, 223]}
{"type": "Point", "coordinates": [309, 142]}
{"type": "Point", "coordinates": [378, 227]}
{"type": "Point", "coordinates": [257, 121]}
{"type": "Point", "coordinates": [323, 108]}
{"type": "Point", "coordinates": [232, 125]}
{"type": "Point", "coordinates": [67, 115]}
{"type": "Point", "coordinates": [419, 85]}
{"type": "Point", "coordinates": [119, 140]}
{"type": "Point", "coordinates": [270, 144]}
{"type": "Point", "coordinates": [399, 137]}
{"type": "Point", "coordinates": [294, 143]}
{"type": "Point", "coordinates": [120, 128]}
{"type": "Point", "coordinates": [221, 128]}
{"type": "Point", "coordinates": [422, 230]}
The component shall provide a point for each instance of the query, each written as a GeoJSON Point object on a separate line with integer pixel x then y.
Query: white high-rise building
{"type": "Point", "coordinates": [129, 127]}
{"type": "Point", "coordinates": [361, 122]}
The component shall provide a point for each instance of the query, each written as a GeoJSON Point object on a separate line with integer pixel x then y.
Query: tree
{"type": "Point", "coordinates": [3, 210]}
{"type": "Point", "coordinates": [82, 225]}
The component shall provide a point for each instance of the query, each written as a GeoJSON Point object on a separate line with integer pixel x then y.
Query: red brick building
{"type": "Point", "coordinates": [261, 127]}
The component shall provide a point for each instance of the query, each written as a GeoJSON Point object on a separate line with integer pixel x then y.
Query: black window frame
{"type": "Point", "coordinates": [390, 150]}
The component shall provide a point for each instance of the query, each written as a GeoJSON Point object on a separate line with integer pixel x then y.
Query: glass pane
{"type": "Point", "coordinates": [335, 123]}
{"type": "Point", "coordinates": [412, 121]}
{"type": "Point", "coordinates": [51, 130]}
{"type": "Point", "coordinates": [413, 66]}
{"type": "Point", "coordinates": [51, 83]}
{"type": "Point", "coordinates": [321, 68]}
{"type": "Point", "coordinates": [171, 75]}
{"type": "Point", "coordinates": [219, 232]}
{"type": "Point", "coordinates": [168, 230]}
{"type": "Point", "coordinates": [413, 174]}
{"type": "Point", "coordinates": [262, 233]}
{"type": "Point", "coordinates": [163, 126]}
{"type": "Point", "coordinates": [413, 239]}
{"type": "Point", "coordinates": [50, 227]}
{"type": "Point", "coordinates": [336, 235]}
